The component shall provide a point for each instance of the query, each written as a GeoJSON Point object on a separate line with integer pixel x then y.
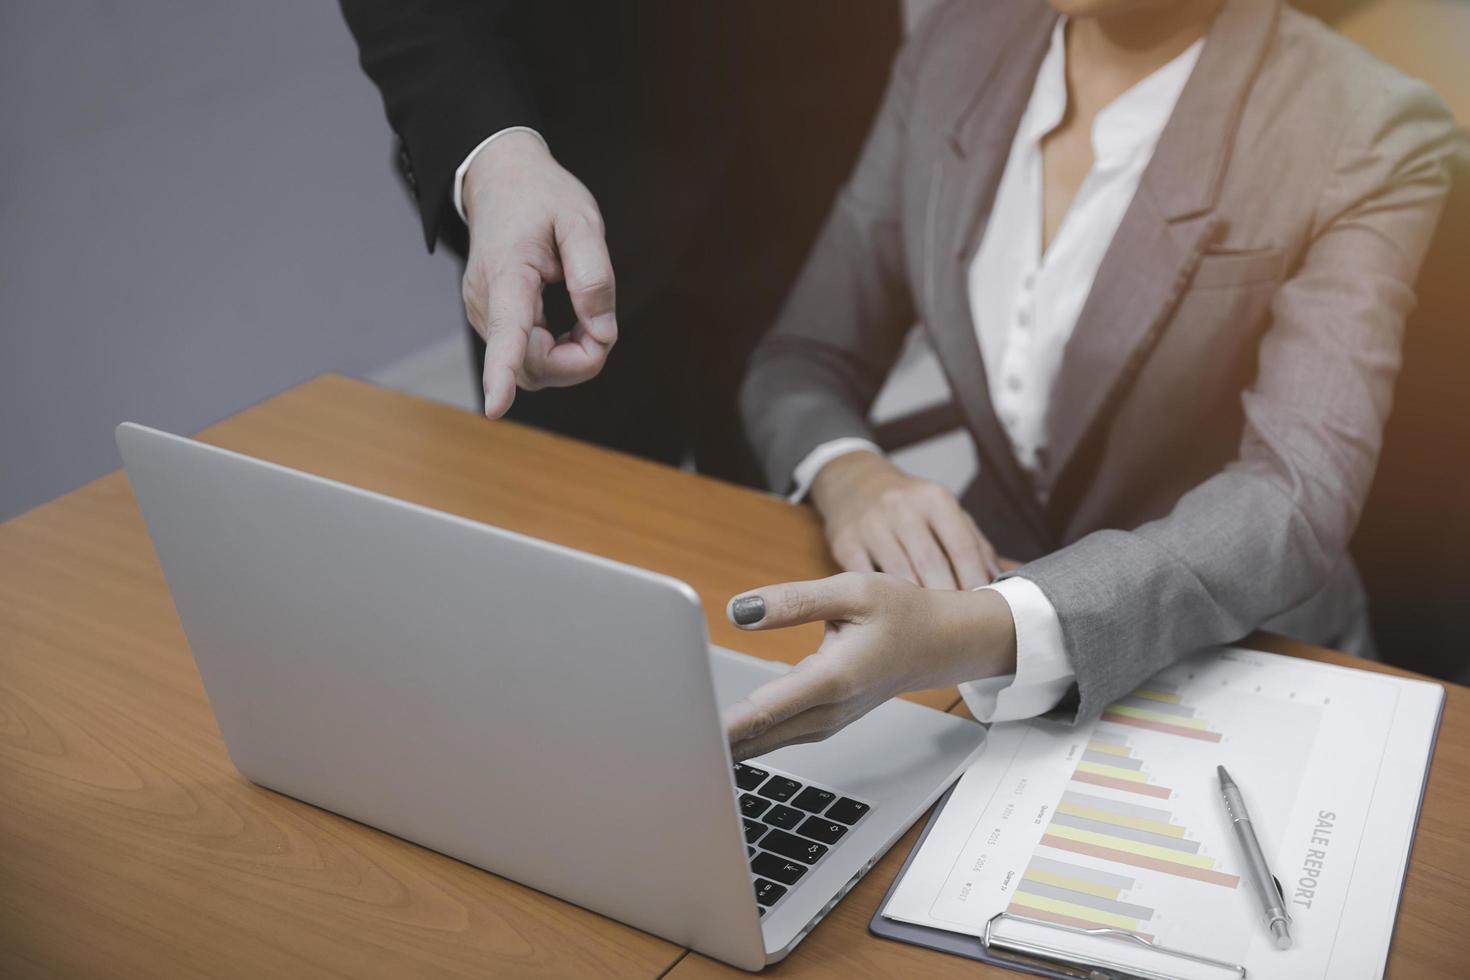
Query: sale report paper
{"type": "Point", "coordinates": [1119, 824]}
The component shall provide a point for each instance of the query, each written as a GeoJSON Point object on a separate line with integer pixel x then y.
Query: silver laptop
{"type": "Point", "coordinates": [544, 714]}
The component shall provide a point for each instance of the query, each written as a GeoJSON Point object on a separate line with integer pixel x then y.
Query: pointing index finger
{"type": "Point", "coordinates": [511, 311]}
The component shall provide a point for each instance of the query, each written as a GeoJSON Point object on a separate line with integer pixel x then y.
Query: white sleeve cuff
{"type": "Point", "coordinates": [807, 470]}
{"type": "Point", "coordinates": [1043, 671]}
{"type": "Point", "coordinates": [464, 166]}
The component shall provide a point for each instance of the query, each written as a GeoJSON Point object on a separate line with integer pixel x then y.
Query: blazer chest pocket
{"type": "Point", "coordinates": [1236, 267]}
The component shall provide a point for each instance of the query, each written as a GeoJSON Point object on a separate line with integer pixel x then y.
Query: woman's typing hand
{"type": "Point", "coordinates": [878, 518]}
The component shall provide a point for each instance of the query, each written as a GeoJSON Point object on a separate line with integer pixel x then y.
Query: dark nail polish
{"type": "Point", "coordinates": [748, 610]}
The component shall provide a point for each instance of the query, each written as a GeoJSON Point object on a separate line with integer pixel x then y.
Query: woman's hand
{"type": "Point", "coordinates": [879, 518]}
{"type": "Point", "coordinates": [884, 637]}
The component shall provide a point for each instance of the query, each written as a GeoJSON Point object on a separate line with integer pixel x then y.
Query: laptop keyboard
{"type": "Point", "coordinates": [790, 826]}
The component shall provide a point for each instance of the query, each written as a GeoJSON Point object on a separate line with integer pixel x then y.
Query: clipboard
{"type": "Point", "coordinates": [1023, 958]}
{"type": "Point", "coordinates": [1408, 714]}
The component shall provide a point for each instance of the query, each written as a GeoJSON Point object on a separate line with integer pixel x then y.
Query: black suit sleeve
{"type": "Point", "coordinates": [449, 76]}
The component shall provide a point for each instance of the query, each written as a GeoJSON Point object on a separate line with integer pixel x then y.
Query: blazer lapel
{"type": "Point", "coordinates": [961, 190]}
{"type": "Point", "coordinates": [1167, 226]}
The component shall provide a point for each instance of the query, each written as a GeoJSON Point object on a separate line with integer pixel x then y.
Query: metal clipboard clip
{"type": "Point", "coordinates": [1085, 966]}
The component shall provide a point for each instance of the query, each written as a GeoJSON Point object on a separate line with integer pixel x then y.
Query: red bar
{"type": "Point", "coordinates": [1159, 726]}
{"type": "Point", "coordinates": [1123, 784]}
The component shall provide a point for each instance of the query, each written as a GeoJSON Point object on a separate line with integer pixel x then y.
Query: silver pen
{"type": "Point", "coordinates": [1268, 889]}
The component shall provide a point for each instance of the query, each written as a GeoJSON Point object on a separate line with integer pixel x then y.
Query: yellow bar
{"type": "Point", "coordinates": [1098, 769]}
{"type": "Point", "coordinates": [1070, 883]}
{"type": "Point", "coordinates": [1123, 709]}
{"type": "Point", "coordinates": [1076, 911]}
{"type": "Point", "coordinates": [1131, 846]}
{"type": "Point", "coordinates": [1156, 696]}
{"type": "Point", "coordinates": [1109, 748]}
{"type": "Point", "coordinates": [1120, 819]}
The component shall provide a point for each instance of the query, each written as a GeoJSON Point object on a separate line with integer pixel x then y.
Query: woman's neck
{"type": "Point", "coordinates": [1108, 53]}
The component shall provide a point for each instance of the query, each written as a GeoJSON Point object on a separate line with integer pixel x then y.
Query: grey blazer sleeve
{"type": "Point", "coordinates": [1264, 534]}
{"type": "Point", "coordinates": [814, 376]}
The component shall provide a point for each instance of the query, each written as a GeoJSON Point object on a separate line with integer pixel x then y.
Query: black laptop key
{"type": "Point", "coordinates": [814, 800]}
{"type": "Point", "coordinates": [749, 777]}
{"type": "Point", "coordinates": [760, 910]}
{"type": "Point", "coordinates": [768, 892]}
{"type": "Point", "coordinates": [847, 811]}
{"type": "Point", "coordinates": [784, 817]}
{"type": "Point", "coordinates": [793, 847]}
{"type": "Point", "coordinates": [749, 851]}
{"type": "Point", "coordinates": [752, 806]}
{"type": "Point", "coordinates": [779, 788]}
{"type": "Point", "coordinates": [753, 830]}
{"type": "Point", "coordinates": [822, 829]}
{"type": "Point", "coordinates": [777, 869]}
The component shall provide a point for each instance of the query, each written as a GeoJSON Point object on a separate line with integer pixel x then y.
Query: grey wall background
{"type": "Point", "coordinates": [196, 211]}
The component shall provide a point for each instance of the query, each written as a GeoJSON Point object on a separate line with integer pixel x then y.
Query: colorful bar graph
{"type": "Point", "coordinates": [1127, 785]}
{"type": "Point", "coordinates": [1111, 763]}
{"type": "Point", "coordinates": [1115, 841]}
{"type": "Point", "coordinates": [1076, 895]}
{"type": "Point", "coordinates": [1118, 814]}
{"type": "Point", "coordinates": [1089, 881]}
{"type": "Point", "coordinates": [1156, 707]}
{"type": "Point", "coordinates": [1156, 690]}
{"type": "Point", "coordinates": [1140, 860]}
{"type": "Point", "coordinates": [1065, 920]}
{"type": "Point", "coordinates": [1031, 900]}
{"type": "Point", "coordinates": [1116, 830]}
{"type": "Point", "coordinates": [1171, 841]}
{"type": "Point", "coordinates": [1118, 748]}
{"type": "Point", "coordinates": [1121, 718]}
{"type": "Point", "coordinates": [1116, 772]}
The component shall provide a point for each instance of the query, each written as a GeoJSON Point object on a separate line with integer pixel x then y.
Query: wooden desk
{"type": "Point", "coordinates": [129, 845]}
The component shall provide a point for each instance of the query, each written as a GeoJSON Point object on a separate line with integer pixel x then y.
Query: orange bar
{"type": "Point", "coordinates": [1141, 861]}
{"type": "Point", "coordinates": [1123, 784]}
{"type": "Point", "coordinates": [1159, 726]}
{"type": "Point", "coordinates": [1066, 920]}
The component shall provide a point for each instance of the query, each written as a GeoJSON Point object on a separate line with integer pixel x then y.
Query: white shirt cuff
{"type": "Point", "coordinates": [807, 470]}
{"type": "Point", "coordinates": [464, 167]}
{"type": "Point", "coordinates": [1043, 671]}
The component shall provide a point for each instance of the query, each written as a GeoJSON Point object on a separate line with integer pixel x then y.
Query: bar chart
{"type": "Point", "coordinates": [1075, 895]}
{"type": "Point", "coordinates": [1159, 707]}
{"type": "Point", "coordinates": [1118, 824]}
{"type": "Point", "coordinates": [1125, 833]}
{"type": "Point", "coordinates": [1109, 762]}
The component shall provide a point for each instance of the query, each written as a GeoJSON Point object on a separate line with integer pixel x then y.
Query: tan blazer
{"type": "Point", "coordinates": [1219, 409]}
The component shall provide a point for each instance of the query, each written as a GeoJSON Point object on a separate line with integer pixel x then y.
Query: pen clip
{"type": "Point", "coordinates": [1282, 894]}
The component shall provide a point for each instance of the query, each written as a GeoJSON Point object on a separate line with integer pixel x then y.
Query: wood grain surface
{"type": "Point", "coordinates": [130, 846]}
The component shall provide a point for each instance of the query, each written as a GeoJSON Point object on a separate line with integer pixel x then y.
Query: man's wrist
{"type": "Point", "coordinates": [477, 168]}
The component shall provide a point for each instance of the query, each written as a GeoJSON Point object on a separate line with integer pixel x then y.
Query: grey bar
{"type": "Point", "coordinates": [1109, 736]}
{"type": "Point", "coordinates": [1118, 761]}
{"type": "Point", "coordinates": [1129, 833]}
{"type": "Point", "coordinates": [1163, 687]}
{"type": "Point", "coordinates": [1162, 707]}
{"type": "Point", "coordinates": [1082, 898]}
{"type": "Point", "coordinates": [1078, 871]}
{"type": "Point", "coordinates": [1127, 809]}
